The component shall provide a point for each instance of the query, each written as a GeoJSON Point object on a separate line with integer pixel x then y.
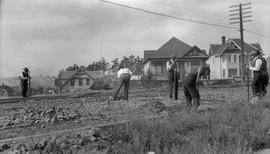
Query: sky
{"type": "Point", "coordinates": [49, 35]}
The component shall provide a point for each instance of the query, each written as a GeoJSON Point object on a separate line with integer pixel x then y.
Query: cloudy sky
{"type": "Point", "coordinates": [49, 35]}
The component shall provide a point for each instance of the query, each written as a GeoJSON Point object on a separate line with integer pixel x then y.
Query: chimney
{"type": "Point", "coordinates": [223, 39]}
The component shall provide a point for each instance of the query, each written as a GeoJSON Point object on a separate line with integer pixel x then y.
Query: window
{"type": "Point", "coordinates": [87, 81]}
{"type": "Point", "coordinates": [240, 58]}
{"type": "Point", "coordinates": [232, 72]}
{"type": "Point", "coordinates": [159, 70]}
{"type": "Point", "coordinates": [224, 73]}
{"type": "Point", "coordinates": [240, 71]}
{"type": "Point", "coordinates": [234, 58]}
{"type": "Point", "coordinates": [229, 58]}
{"type": "Point", "coordinates": [72, 82]}
{"type": "Point", "coordinates": [80, 82]}
{"type": "Point", "coordinates": [223, 59]}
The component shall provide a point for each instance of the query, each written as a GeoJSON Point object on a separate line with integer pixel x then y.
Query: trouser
{"type": "Point", "coordinates": [264, 83]}
{"type": "Point", "coordinates": [259, 84]}
{"type": "Point", "coordinates": [24, 87]}
{"type": "Point", "coordinates": [192, 95]}
{"type": "Point", "coordinates": [124, 80]}
{"type": "Point", "coordinates": [173, 84]}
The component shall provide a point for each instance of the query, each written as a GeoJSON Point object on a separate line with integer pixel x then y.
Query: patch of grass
{"type": "Point", "coordinates": [233, 129]}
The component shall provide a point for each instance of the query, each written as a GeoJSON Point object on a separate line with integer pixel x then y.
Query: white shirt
{"type": "Point", "coordinates": [258, 63]}
{"type": "Point", "coordinates": [123, 70]}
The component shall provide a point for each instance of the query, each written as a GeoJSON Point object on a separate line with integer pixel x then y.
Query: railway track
{"type": "Point", "coordinates": [37, 137]}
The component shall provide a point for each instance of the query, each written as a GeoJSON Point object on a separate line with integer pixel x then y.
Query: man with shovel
{"type": "Point", "coordinates": [191, 91]}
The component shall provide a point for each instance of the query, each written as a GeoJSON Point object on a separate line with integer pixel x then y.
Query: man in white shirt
{"type": "Point", "coordinates": [172, 68]}
{"type": "Point", "coordinates": [260, 75]}
{"type": "Point", "coordinates": [25, 81]}
{"type": "Point", "coordinates": [123, 75]}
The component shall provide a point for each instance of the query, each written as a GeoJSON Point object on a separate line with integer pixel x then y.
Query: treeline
{"type": "Point", "coordinates": [134, 63]}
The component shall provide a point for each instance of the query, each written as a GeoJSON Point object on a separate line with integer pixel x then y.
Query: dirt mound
{"type": "Point", "coordinates": [154, 105]}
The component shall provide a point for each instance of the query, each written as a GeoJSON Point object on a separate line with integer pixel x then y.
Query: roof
{"type": "Point", "coordinates": [7, 88]}
{"type": "Point", "coordinates": [148, 53]}
{"type": "Point", "coordinates": [172, 47]}
{"type": "Point", "coordinates": [216, 49]}
{"type": "Point", "coordinates": [66, 75]}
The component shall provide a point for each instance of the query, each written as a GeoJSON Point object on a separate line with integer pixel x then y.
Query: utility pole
{"type": "Point", "coordinates": [238, 15]}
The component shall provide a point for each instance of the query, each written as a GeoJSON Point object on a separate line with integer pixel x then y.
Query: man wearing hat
{"type": "Point", "coordinates": [25, 81]}
{"type": "Point", "coordinates": [258, 66]}
{"type": "Point", "coordinates": [173, 68]}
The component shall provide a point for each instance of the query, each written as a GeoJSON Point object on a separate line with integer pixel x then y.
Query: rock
{"type": "Point", "coordinates": [77, 121]}
{"type": "Point", "coordinates": [50, 111]}
{"type": "Point", "coordinates": [92, 138]}
{"type": "Point", "coordinates": [42, 144]}
{"type": "Point", "coordinates": [4, 147]}
{"type": "Point", "coordinates": [63, 145]}
{"type": "Point", "coordinates": [37, 121]}
{"type": "Point", "coordinates": [53, 120]}
{"type": "Point", "coordinates": [42, 126]}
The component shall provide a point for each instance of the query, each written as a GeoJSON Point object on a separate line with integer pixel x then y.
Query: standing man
{"type": "Point", "coordinates": [25, 81]}
{"type": "Point", "coordinates": [124, 75]}
{"type": "Point", "coordinates": [190, 82]}
{"type": "Point", "coordinates": [172, 68]}
{"type": "Point", "coordinates": [258, 66]}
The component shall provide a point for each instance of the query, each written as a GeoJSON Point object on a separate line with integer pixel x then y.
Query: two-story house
{"type": "Point", "coordinates": [188, 58]}
{"type": "Point", "coordinates": [225, 59]}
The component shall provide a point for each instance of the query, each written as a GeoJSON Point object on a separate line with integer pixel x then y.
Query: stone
{"type": "Point", "coordinates": [4, 147]}
{"type": "Point", "coordinates": [77, 121]}
{"type": "Point", "coordinates": [92, 138]}
{"type": "Point", "coordinates": [42, 143]}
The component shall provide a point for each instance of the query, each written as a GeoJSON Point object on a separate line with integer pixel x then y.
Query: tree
{"type": "Point", "coordinates": [115, 65]}
{"type": "Point", "coordinates": [103, 64]}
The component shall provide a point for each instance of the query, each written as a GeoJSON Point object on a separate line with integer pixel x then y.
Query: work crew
{"type": "Point", "coordinates": [190, 82]}
{"type": "Point", "coordinates": [173, 75]}
{"type": "Point", "coordinates": [124, 75]}
{"type": "Point", "coordinates": [25, 81]}
{"type": "Point", "coordinates": [258, 66]}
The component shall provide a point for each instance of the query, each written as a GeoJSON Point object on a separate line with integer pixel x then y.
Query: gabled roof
{"type": "Point", "coordinates": [172, 47]}
{"type": "Point", "coordinates": [216, 49]}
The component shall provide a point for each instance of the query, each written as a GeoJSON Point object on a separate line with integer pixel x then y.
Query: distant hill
{"type": "Point", "coordinates": [36, 81]}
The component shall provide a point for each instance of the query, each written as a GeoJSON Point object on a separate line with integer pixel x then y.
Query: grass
{"type": "Point", "coordinates": [228, 130]}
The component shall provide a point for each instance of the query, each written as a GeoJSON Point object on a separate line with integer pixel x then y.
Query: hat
{"type": "Point", "coordinates": [26, 69]}
{"type": "Point", "coordinates": [172, 56]}
{"type": "Point", "coordinates": [255, 53]}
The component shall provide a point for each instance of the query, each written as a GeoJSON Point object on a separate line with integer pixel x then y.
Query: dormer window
{"type": "Point", "coordinates": [231, 46]}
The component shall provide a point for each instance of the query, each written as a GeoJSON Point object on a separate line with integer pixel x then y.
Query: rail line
{"type": "Point", "coordinates": [36, 136]}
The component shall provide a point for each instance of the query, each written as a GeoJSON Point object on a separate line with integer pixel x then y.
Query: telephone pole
{"type": "Point", "coordinates": [238, 15]}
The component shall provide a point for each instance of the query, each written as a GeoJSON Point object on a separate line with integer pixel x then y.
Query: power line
{"type": "Point", "coordinates": [165, 15]}
{"type": "Point", "coordinates": [249, 31]}
{"type": "Point", "coordinates": [178, 18]}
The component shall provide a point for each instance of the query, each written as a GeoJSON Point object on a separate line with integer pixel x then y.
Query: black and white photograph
{"type": "Point", "coordinates": [134, 76]}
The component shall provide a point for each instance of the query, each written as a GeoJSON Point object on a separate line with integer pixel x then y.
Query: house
{"type": "Point", "coordinates": [6, 91]}
{"type": "Point", "coordinates": [225, 59]}
{"type": "Point", "coordinates": [188, 58]}
{"type": "Point", "coordinates": [77, 80]}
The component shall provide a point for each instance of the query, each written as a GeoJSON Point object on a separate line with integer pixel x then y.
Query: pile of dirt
{"type": "Point", "coordinates": [28, 117]}
{"type": "Point", "coordinates": [154, 105]}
